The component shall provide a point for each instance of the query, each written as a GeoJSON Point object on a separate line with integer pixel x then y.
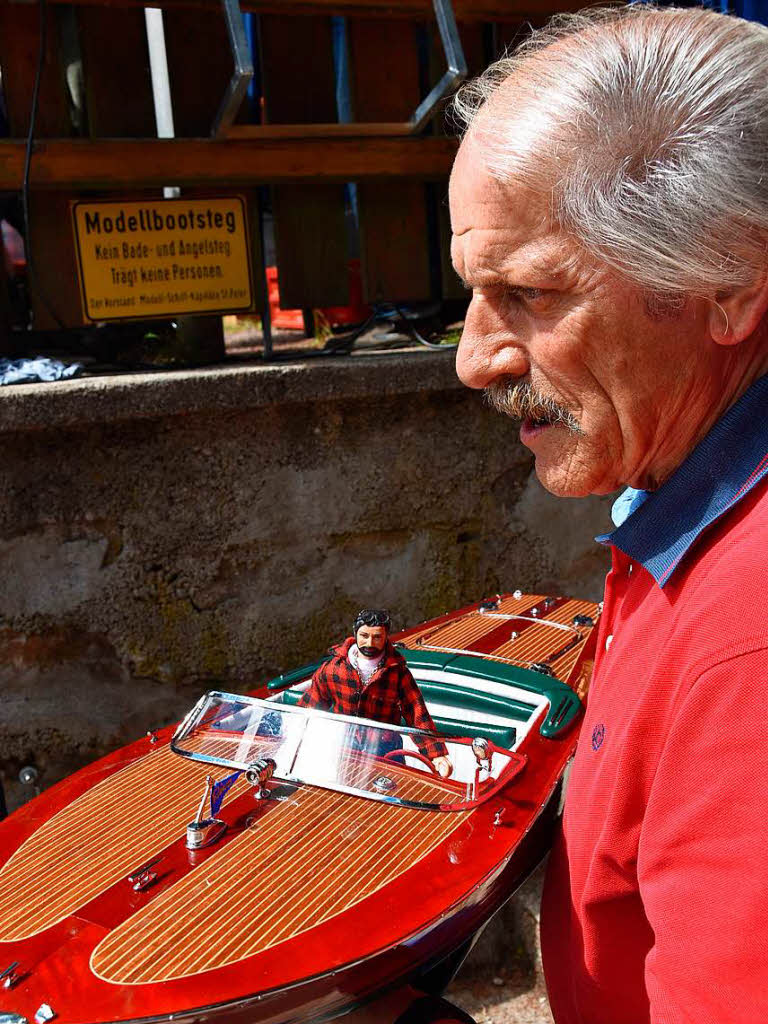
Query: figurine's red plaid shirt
{"type": "Point", "coordinates": [391, 694]}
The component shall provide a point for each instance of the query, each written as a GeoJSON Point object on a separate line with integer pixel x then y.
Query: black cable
{"type": "Point", "coordinates": [31, 273]}
{"type": "Point", "coordinates": [411, 328]}
{"type": "Point", "coordinates": [342, 344]}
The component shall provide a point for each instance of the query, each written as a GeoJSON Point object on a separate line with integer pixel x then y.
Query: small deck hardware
{"type": "Point", "coordinates": [10, 975]}
{"type": "Point", "coordinates": [204, 832]}
{"type": "Point", "coordinates": [258, 775]}
{"type": "Point", "coordinates": [384, 784]}
{"type": "Point", "coordinates": [583, 620]}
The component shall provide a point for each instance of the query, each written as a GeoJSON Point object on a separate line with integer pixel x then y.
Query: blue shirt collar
{"type": "Point", "coordinates": [626, 503]}
{"type": "Point", "coordinates": [658, 528]}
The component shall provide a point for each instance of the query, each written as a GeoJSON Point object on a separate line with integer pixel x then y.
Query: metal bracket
{"type": "Point", "coordinates": [457, 65]}
{"type": "Point", "coordinates": [455, 73]}
{"type": "Point", "coordinates": [144, 877]}
{"type": "Point", "coordinates": [258, 774]}
{"type": "Point", "coordinates": [243, 69]}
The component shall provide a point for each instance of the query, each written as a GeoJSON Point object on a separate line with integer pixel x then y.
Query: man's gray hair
{"type": "Point", "coordinates": [647, 128]}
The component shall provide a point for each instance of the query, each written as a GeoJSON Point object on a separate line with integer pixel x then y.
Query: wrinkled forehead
{"type": "Point", "coordinates": [475, 181]}
{"type": "Point", "coordinates": [490, 218]}
{"type": "Point", "coordinates": [505, 231]}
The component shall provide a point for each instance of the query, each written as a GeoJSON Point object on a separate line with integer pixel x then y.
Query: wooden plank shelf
{"type": "Point", "coordinates": [151, 163]}
{"type": "Point", "coordinates": [465, 10]}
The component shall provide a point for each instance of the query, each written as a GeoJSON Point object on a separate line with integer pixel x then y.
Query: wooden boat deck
{"type": "Point", "coordinates": [490, 635]}
{"type": "Point", "coordinates": [304, 861]}
{"type": "Point", "coordinates": [301, 861]}
{"type": "Point", "coordinates": [94, 842]}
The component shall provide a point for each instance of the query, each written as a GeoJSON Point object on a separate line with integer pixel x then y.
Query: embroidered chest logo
{"type": "Point", "coordinates": [598, 735]}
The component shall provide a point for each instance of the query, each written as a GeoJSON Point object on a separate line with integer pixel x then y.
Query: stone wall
{"type": "Point", "coordinates": [162, 534]}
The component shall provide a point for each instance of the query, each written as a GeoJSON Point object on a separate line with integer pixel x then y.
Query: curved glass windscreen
{"type": "Point", "coordinates": [354, 755]}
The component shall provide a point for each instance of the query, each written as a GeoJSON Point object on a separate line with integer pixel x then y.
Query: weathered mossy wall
{"type": "Point", "coordinates": [160, 535]}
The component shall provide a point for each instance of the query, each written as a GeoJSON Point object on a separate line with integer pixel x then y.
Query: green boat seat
{"type": "Point", "coordinates": [564, 705]}
{"type": "Point", "coordinates": [498, 734]}
{"type": "Point", "coordinates": [504, 735]}
{"type": "Point", "coordinates": [465, 698]}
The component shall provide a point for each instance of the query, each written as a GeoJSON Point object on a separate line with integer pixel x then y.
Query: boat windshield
{"type": "Point", "coordinates": [354, 755]}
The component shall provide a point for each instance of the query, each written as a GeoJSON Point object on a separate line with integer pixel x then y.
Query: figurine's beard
{"type": "Point", "coordinates": [370, 652]}
{"type": "Point", "coordinates": [522, 401]}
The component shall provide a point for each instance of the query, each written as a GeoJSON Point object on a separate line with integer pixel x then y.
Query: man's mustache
{"type": "Point", "coordinates": [522, 401]}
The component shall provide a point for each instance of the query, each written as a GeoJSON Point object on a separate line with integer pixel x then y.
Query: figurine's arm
{"type": "Point", "coordinates": [318, 693]}
{"type": "Point", "coordinates": [416, 715]}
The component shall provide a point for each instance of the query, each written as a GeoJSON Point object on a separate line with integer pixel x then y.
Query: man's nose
{"type": "Point", "coordinates": [488, 348]}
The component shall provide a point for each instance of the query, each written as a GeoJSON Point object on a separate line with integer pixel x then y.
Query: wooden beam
{"type": "Point", "coordinates": [200, 67]}
{"type": "Point", "coordinates": [466, 10]}
{"type": "Point", "coordinates": [19, 43]}
{"type": "Point", "coordinates": [394, 244]}
{"type": "Point", "coordinates": [298, 84]}
{"type": "Point", "coordinates": [54, 285]}
{"type": "Point", "coordinates": [354, 129]}
{"type": "Point", "coordinates": [147, 163]}
{"type": "Point", "coordinates": [118, 87]}
{"type": "Point", "coordinates": [297, 75]}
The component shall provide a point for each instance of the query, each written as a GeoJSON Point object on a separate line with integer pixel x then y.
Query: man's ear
{"type": "Point", "coordinates": [735, 315]}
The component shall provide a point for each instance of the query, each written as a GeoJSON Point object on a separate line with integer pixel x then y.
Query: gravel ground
{"type": "Point", "coordinates": [501, 981]}
{"type": "Point", "coordinates": [514, 996]}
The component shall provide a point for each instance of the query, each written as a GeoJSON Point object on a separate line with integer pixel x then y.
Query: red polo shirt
{"type": "Point", "coordinates": [656, 901]}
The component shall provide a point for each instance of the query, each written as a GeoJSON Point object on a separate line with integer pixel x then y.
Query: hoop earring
{"type": "Point", "coordinates": [725, 315]}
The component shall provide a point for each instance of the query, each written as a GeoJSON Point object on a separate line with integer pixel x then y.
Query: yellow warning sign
{"type": "Point", "coordinates": [154, 259]}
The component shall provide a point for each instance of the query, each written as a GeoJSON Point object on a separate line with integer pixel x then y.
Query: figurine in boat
{"type": "Point", "coordinates": [367, 677]}
{"type": "Point", "coordinates": [258, 864]}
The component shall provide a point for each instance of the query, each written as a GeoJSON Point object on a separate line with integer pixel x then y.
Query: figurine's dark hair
{"type": "Point", "coordinates": [372, 617]}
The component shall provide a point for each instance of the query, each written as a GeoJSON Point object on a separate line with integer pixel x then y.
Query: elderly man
{"type": "Point", "coordinates": [609, 205]}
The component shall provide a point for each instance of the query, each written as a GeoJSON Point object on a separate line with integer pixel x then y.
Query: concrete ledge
{"type": "Point", "coordinates": [90, 400]}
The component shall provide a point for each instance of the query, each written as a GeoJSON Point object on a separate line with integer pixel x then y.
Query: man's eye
{"type": "Point", "coordinates": [521, 294]}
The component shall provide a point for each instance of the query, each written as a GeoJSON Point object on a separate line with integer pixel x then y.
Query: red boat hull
{"type": "Point", "coordinates": [436, 897]}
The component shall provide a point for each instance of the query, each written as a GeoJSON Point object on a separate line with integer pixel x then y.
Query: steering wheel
{"type": "Point", "coordinates": [411, 753]}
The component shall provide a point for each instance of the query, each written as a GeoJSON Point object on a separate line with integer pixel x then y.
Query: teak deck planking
{"type": "Point", "coordinates": [91, 833]}
{"type": "Point", "coordinates": [304, 863]}
{"type": "Point", "coordinates": [534, 642]}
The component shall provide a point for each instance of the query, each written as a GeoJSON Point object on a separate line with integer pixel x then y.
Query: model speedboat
{"type": "Point", "coordinates": [261, 862]}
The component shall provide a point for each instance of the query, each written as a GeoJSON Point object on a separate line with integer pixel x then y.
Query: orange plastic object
{"type": "Point", "coordinates": [357, 310]}
{"type": "Point", "coordinates": [283, 319]}
{"type": "Point", "coordinates": [292, 320]}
